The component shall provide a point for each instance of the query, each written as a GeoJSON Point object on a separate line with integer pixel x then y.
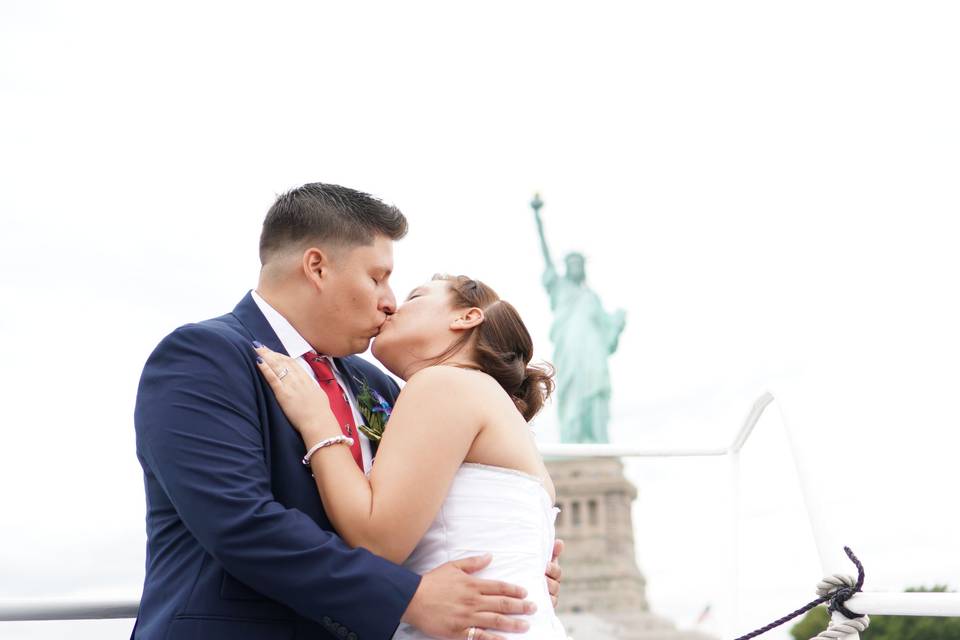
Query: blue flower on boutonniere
{"type": "Point", "coordinates": [375, 411]}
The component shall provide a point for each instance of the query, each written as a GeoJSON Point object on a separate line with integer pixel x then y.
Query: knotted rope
{"type": "Point", "coordinates": [837, 589]}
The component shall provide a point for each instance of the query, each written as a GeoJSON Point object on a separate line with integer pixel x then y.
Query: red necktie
{"type": "Point", "coordinates": [338, 402]}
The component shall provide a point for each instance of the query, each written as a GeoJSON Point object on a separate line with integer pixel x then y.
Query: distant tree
{"type": "Point", "coordinates": [887, 627]}
{"type": "Point", "coordinates": [811, 624]}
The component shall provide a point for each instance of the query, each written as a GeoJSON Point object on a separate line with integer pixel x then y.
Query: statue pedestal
{"type": "Point", "coordinates": [603, 593]}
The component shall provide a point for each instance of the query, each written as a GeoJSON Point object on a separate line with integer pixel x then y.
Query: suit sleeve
{"type": "Point", "coordinates": [198, 428]}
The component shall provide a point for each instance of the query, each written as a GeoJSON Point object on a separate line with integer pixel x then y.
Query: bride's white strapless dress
{"type": "Point", "coordinates": [504, 512]}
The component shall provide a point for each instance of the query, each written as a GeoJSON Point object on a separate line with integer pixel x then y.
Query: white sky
{"type": "Point", "coordinates": [769, 189]}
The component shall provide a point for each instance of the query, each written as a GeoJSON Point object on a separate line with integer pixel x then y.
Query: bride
{"type": "Point", "coordinates": [457, 472]}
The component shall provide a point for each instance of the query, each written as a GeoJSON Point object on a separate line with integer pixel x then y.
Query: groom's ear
{"type": "Point", "coordinates": [315, 264]}
{"type": "Point", "coordinates": [467, 319]}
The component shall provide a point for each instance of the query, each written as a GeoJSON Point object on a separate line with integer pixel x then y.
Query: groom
{"type": "Point", "coordinates": [238, 544]}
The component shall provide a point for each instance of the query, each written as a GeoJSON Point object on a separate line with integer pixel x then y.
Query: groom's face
{"type": "Point", "coordinates": [357, 296]}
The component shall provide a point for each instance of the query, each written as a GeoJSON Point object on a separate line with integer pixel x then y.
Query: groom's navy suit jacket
{"type": "Point", "coordinates": [238, 544]}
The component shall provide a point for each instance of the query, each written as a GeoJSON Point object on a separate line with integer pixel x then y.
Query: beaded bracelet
{"type": "Point", "coordinates": [326, 443]}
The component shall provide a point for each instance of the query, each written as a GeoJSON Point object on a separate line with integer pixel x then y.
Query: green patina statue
{"type": "Point", "coordinates": [584, 336]}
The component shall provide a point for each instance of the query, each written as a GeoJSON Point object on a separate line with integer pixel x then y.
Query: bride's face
{"type": "Point", "coordinates": [420, 329]}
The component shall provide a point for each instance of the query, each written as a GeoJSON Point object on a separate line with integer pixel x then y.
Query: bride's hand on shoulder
{"type": "Point", "coordinates": [303, 401]}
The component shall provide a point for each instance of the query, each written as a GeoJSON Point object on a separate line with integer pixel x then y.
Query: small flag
{"type": "Point", "coordinates": [704, 615]}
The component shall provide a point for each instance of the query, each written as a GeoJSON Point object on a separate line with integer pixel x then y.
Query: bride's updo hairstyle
{"type": "Point", "coordinates": [502, 347]}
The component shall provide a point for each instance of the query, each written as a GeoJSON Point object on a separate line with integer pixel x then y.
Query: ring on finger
{"type": "Point", "coordinates": [282, 373]}
{"type": "Point", "coordinates": [471, 633]}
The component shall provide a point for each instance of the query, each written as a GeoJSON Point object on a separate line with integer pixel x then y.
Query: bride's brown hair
{"type": "Point", "coordinates": [503, 347]}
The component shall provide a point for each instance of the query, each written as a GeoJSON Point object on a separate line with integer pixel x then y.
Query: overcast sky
{"type": "Point", "coordinates": [769, 189]}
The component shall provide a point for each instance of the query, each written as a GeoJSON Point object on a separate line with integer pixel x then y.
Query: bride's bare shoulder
{"type": "Point", "coordinates": [452, 381]}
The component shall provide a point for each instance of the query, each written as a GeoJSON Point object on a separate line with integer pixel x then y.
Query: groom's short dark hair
{"type": "Point", "coordinates": [317, 212]}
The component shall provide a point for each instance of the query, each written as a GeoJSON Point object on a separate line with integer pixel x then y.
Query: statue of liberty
{"type": "Point", "coordinates": [584, 336]}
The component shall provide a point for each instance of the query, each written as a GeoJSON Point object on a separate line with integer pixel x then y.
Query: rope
{"type": "Point", "coordinates": [842, 589]}
{"type": "Point", "coordinates": [837, 589]}
{"type": "Point", "coordinates": [839, 630]}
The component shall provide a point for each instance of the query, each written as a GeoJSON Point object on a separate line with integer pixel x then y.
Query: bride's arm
{"type": "Point", "coordinates": [430, 431]}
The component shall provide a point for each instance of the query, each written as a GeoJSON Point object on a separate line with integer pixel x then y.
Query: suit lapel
{"type": "Point", "coordinates": [350, 374]}
{"type": "Point", "coordinates": [250, 316]}
{"type": "Point", "coordinates": [352, 381]}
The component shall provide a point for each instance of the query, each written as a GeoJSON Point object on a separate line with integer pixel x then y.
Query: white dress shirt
{"type": "Point", "coordinates": [296, 347]}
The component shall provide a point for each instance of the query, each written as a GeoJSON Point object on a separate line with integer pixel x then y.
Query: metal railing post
{"type": "Point", "coordinates": [734, 470]}
{"type": "Point", "coordinates": [831, 560]}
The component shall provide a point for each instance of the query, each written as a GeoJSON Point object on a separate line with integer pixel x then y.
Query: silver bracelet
{"type": "Point", "coordinates": [326, 443]}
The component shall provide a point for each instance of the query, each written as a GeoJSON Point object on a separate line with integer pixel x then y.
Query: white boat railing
{"type": "Point", "coordinates": [872, 603]}
{"type": "Point", "coordinates": [68, 609]}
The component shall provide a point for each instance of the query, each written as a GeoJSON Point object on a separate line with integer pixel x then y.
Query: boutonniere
{"type": "Point", "coordinates": [375, 411]}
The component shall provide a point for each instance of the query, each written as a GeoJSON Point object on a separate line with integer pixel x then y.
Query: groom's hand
{"type": "Point", "coordinates": [449, 601]}
{"type": "Point", "coordinates": [553, 572]}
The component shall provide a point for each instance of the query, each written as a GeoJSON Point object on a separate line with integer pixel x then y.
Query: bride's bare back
{"type": "Point", "coordinates": [504, 438]}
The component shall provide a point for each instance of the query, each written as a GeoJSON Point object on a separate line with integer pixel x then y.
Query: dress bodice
{"type": "Point", "coordinates": [500, 511]}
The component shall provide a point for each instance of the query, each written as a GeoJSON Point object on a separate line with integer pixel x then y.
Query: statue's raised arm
{"type": "Point", "coordinates": [536, 204]}
{"type": "Point", "coordinates": [584, 335]}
